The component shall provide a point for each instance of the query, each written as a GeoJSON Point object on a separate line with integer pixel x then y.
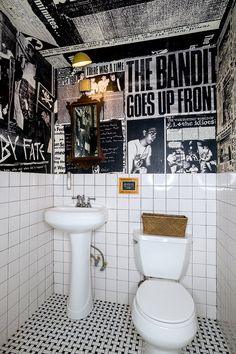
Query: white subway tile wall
{"type": "Point", "coordinates": [28, 257]}
{"type": "Point", "coordinates": [26, 247]}
{"type": "Point", "coordinates": [191, 195]}
{"type": "Point", "coordinates": [226, 256]}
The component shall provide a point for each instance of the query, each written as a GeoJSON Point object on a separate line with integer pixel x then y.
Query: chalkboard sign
{"type": "Point", "coordinates": [111, 139]}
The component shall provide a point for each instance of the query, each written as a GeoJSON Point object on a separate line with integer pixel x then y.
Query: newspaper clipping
{"type": "Point", "coordinates": [226, 96]}
{"type": "Point", "coordinates": [191, 144]}
{"type": "Point", "coordinates": [181, 82]}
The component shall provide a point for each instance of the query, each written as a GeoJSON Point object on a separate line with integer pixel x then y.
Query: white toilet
{"type": "Point", "coordinates": [163, 311]}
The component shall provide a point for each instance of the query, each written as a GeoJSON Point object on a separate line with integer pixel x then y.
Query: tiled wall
{"type": "Point", "coordinates": [26, 247]}
{"type": "Point", "coordinates": [226, 256]}
{"type": "Point", "coordinates": [192, 195]}
{"type": "Point", "coordinates": [26, 242]}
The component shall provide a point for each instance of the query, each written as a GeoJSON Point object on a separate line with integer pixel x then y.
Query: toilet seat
{"type": "Point", "coordinates": [165, 301]}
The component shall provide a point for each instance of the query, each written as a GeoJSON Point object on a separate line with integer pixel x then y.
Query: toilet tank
{"type": "Point", "coordinates": [161, 256]}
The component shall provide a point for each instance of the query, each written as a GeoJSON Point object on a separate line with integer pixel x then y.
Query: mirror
{"type": "Point", "coordinates": [85, 135]}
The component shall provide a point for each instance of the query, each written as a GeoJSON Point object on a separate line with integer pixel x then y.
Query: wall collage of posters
{"type": "Point", "coordinates": [26, 103]}
{"type": "Point", "coordinates": [158, 112]}
{"type": "Point", "coordinates": [226, 95]}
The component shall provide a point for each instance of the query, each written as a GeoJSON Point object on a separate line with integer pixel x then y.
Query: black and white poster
{"type": "Point", "coordinates": [181, 82]}
{"type": "Point", "coordinates": [106, 86]}
{"type": "Point", "coordinates": [106, 77]}
{"type": "Point", "coordinates": [59, 149]}
{"type": "Point", "coordinates": [25, 125]}
{"type": "Point", "coordinates": [45, 98]}
{"type": "Point", "coordinates": [109, 90]}
{"type": "Point", "coordinates": [226, 96]}
{"type": "Point", "coordinates": [225, 147]}
{"type": "Point", "coordinates": [105, 68]}
{"type": "Point", "coordinates": [145, 146]}
{"type": "Point", "coordinates": [224, 51]}
{"type": "Point", "coordinates": [153, 94]}
{"type": "Point", "coordinates": [112, 106]}
{"type": "Point", "coordinates": [190, 144]}
{"type": "Point", "coordinates": [7, 70]}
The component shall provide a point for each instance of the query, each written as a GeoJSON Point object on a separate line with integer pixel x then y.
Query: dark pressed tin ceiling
{"type": "Point", "coordinates": [73, 25]}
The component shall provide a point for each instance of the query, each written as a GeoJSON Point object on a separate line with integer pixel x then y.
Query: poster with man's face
{"type": "Point", "coordinates": [145, 146]}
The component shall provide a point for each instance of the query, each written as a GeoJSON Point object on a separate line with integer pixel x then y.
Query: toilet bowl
{"type": "Point", "coordinates": [164, 315]}
{"type": "Point", "coordinates": [163, 311]}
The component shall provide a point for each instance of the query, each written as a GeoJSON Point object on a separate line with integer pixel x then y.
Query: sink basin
{"type": "Point", "coordinates": [79, 223]}
{"type": "Point", "coordinates": [75, 220]}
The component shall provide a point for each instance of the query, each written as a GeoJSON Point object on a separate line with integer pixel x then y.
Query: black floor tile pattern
{"type": "Point", "coordinates": [107, 330]}
{"type": "Point", "coordinates": [208, 340]}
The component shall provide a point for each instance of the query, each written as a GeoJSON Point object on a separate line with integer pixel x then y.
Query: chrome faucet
{"type": "Point", "coordinates": [88, 202]}
{"type": "Point", "coordinates": [81, 203]}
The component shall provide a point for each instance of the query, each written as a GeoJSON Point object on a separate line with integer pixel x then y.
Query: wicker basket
{"type": "Point", "coordinates": [164, 224]}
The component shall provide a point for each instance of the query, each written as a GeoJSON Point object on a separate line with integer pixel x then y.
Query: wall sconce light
{"type": "Point", "coordinates": [85, 85]}
{"type": "Point", "coordinates": [81, 59]}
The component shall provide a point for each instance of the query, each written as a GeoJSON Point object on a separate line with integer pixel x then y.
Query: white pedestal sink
{"type": "Point", "coordinates": [79, 223]}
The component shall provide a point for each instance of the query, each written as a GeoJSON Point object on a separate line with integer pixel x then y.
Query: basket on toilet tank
{"type": "Point", "coordinates": [164, 224]}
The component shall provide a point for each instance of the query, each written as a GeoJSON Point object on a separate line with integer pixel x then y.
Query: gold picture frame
{"type": "Point", "coordinates": [128, 185]}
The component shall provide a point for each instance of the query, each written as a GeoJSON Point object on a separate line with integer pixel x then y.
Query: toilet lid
{"type": "Point", "coordinates": [165, 301]}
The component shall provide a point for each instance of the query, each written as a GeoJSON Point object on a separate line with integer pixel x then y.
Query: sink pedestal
{"type": "Point", "coordinates": [80, 300]}
{"type": "Point", "coordinates": [79, 224]}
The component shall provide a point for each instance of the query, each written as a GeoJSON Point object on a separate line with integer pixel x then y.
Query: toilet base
{"type": "Point", "coordinates": [150, 349]}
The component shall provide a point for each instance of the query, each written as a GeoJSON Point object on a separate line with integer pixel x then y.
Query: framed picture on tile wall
{"type": "Point", "coordinates": [128, 185]}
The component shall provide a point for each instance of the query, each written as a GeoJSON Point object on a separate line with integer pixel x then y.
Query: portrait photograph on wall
{"type": "Point", "coordinates": [145, 145]}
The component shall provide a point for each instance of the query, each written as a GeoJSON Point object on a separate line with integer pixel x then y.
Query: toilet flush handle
{"type": "Point", "coordinates": [135, 242]}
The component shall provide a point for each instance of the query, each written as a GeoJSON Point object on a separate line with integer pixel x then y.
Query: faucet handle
{"type": "Point", "coordinates": [79, 200]}
{"type": "Point", "coordinates": [78, 197]}
{"type": "Point", "coordinates": [88, 201]}
{"type": "Point", "coordinates": [82, 201]}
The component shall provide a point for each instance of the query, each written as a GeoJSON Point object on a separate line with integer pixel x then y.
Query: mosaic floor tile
{"type": "Point", "coordinates": [107, 330]}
